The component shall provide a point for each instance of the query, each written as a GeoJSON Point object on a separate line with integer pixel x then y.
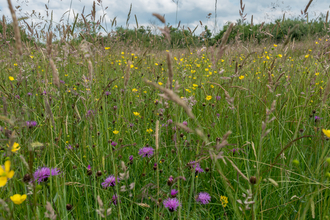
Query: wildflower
{"type": "Point", "coordinates": [61, 81]}
{"type": "Point", "coordinates": [131, 66]}
{"type": "Point", "coordinates": [203, 198]}
{"type": "Point", "coordinates": [146, 151]}
{"type": "Point", "coordinates": [169, 121]}
{"type": "Point", "coordinates": [170, 181]}
{"type": "Point", "coordinates": [134, 90]}
{"type": "Point", "coordinates": [131, 125]}
{"type": "Point", "coordinates": [160, 83]}
{"type": "Point", "coordinates": [275, 45]}
{"type": "Point", "coordinates": [224, 201]}
{"type": "Point", "coordinates": [114, 199]}
{"type": "Point", "coordinates": [115, 132]}
{"type": "Point", "coordinates": [31, 124]}
{"type": "Point", "coordinates": [107, 48]}
{"type": "Point", "coordinates": [241, 77]}
{"type": "Point", "coordinates": [69, 147]}
{"type": "Point", "coordinates": [110, 181]}
{"type": "Point", "coordinates": [114, 144]}
{"type": "Point", "coordinates": [279, 55]}
{"type": "Point", "coordinates": [18, 199]}
{"type": "Point", "coordinates": [107, 93]}
{"type": "Point", "coordinates": [185, 123]}
{"type": "Point", "coordinates": [15, 147]}
{"type": "Point", "coordinates": [208, 98]}
{"type": "Point", "coordinates": [42, 174]}
{"type": "Point", "coordinates": [174, 192]}
{"type": "Point", "coordinates": [11, 78]}
{"type": "Point", "coordinates": [29, 94]}
{"type": "Point", "coordinates": [171, 204]}
{"type": "Point", "coordinates": [218, 98]}
{"type": "Point", "coordinates": [306, 56]}
{"type": "Point", "coordinates": [131, 158]}
{"type": "Point", "coordinates": [326, 132]}
{"type": "Point", "coordinates": [136, 113]}
{"type": "Point", "coordinates": [17, 96]}
{"type": "Point", "coordinates": [197, 167]}
{"type": "Point", "coordinates": [6, 173]}
{"type": "Point", "coordinates": [149, 130]}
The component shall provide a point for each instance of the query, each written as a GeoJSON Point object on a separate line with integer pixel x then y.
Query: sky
{"type": "Point", "coordinates": [189, 12]}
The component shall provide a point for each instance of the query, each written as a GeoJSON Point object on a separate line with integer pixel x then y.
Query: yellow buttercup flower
{"type": "Point", "coordinates": [15, 147]}
{"type": "Point", "coordinates": [160, 83]}
{"type": "Point", "coordinates": [6, 173]}
{"type": "Point", "coordinates": [11, 78]}
{"type": "Point", "coordinates": [149, 130]}
{"type": "Point", "coordinates": [326, 132]}
{"type": "Point", "coordinates": [115, 132]}
{"type": "Point", "coordinates": [107, 48]}
{"type": "Point", "coordinates": [18, 199]}
{"type": "Point", "coordinates": [208, 98]}
{"type": "Point", "coordinates": [241, 77]}
{"type": "Point", "coordinates": [136, 113]}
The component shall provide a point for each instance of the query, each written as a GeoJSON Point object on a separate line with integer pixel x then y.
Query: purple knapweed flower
{"type": "Point", "coordinates": [171, 204]}
{"type": "Point", "coordinates": [114, 143]}
{"type": "Point", "coordinates": [317, 118]}
{"type": "Point", "coordinates": [44, 92]}
{"type": "Point", "coordinates": [31, 124]}
{"type": "Point", "coordinates": [29, 94]}
{"type": "Point", "coordinates": [169, 121]}
{"type": "Point", "coordinates": [42, 174]}
{"type": "Point", "coordinates": [69, 147]}
{"type": "Point", "coordinates": [146, 151]}
{"type": "Point", "coordinates": [174, 192]}
{"type": "Point", "coordinates": [89, 167]}
{"type": "Point", "coordinates": [203, 198]}
{"type": "Point", "coordinates": [197, 167]}
{"type": "Point", "coordinates": [185, 123]}
{"type": "Point", "coordinates": [17, 96]}
{"type": "Point", "coordinates": [218, 98]}
{"type": "Point", "coordinates": [107, 93]}
{"type": "Point", "coordinates": [131, 158]}
{"type": "Point", "coordinates": [61, 81]}
{"type": "Point", "coordinates": [110, 181]}
{"type": "Point", "coordinates": [90, 112]}
{"type": "Point", "coordinates": [174, 128]}
{"type": "Point", "coordinates": [114, 199]}
{"type": "Point", "coordinates": [218, 115]}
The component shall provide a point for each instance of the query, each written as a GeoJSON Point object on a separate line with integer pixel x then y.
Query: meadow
{"type": "Point", "coordinates": [106, 130]}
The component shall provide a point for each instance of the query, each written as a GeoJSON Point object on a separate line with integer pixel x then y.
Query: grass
{"type": "Point", "coordinates": [252, 119]}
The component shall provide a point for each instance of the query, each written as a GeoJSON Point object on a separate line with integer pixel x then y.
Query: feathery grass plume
{"type": "Point", "coordinates": [136, 22]}
{"type": "Point", "coordinates": [4, 26]}
{"type": "Point", "coordinates": [238, 170]}
{"type": "Point", "coordinates": [326, 92]}
{"type": "Point", "coordinates": [170, 70]}
{"type": "Point", "coordinates": [251, 21]}
{"type": "Point", "coordinates": [49, 111]}
{"type": "Point", "coordinates": [56, 80]}
{"type": "Point", "coordinates": [184, 127]}
{"type": "Point", "coordinates": [161, 18]}
{"type": "Point", "coordinates": [230, 100]}
{"type": "Point", "coordinates": [90, 69]}
{"type": "Point", "coordinates": [4, 103]}
{"type": "Point", "coordinates": [307, 6]}
{"type": "Point", "coordinates": [169, 94]}
{"type": "Point", "coordinates": [129, 15]}
{"type": "Point", "coordinates": [16, 29]}
{"type": "Point", "coordinates": [327, 17]}
{"type": "Point", "coordinates": [289, 35]}
{"type": "Point", "coordinates": [127, 74]}
{"type": "Point", "coordinates": [50, 213]}
{"type": "Point", "coordinates": [226, 35]}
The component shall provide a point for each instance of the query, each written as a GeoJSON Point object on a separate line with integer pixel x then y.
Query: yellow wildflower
{"type": "Point", "coordinates": [326, 132]}
{"type": "Point", "coordinates": [107, 48]}
{"type": "Point", "coordinates": [241, 77]}
{"type": "Point", "coordinates": [136, 113]}
{"type": "Point", "coordinates": [5, 174]}
{"type": "Point", "coordinates": [18, 199]}
{"type": "Point", "coordinates": [208, 98]}
{"type": "Point", "coordinates": [115, 132]}
{"type": "Point", "coordinates": [149, 130]}
{"type": "Point", "coordinates": [11, 78]}
{"type": "Point", "coordinates": [160, 83]}
{"type": "Point", "coordinates": [15, 147]}
{"type": "Point", "coordinates": [224, 201]}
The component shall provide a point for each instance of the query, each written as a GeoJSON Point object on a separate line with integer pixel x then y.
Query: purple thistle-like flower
{"type": "Point", "coordinates": [171, 204]}
{"type": "Point", "coordinates": [89, 167]}
{"type": "Point", "coordinates": [42, 174]}
{"type": "Point", "coordinates": [110, 181]}
{"type": "Point", "coordinates": [61, 81]}
{"type": "Point", "coordinates": [185, 123]}
{"type": "Point", "coordinates": [131, 158]}
{"type": "Point", "coordinates": [44, 92]}
{"type": "Point", "coordinates": [218, 98]}
{"type": "Point", "coordinates": [169, 121]}
{"type": "Point", "coordinates": [203, 198]}
{"type": "Point", "coordinates": [146, 151]}
{"type": "Point", "coordinates": [17, 96]}
{"type": "Point", "coordinates": [218, 115]}
{"type": "Point", "coordinates": [197, 167]}
{"type": "Point", "coordinates": [107, 93]}
{"type": "Point", "coordinates": [90, 112]}
{"type": "Point", "coordinates": [174, 192]}
{"type": "Point", "coordinates": [31, 124]}
{"type": "Point", "coordinates": [114, 199]}
{"type": "Point", "coordinates": [114, 143]}
{"type": "Point", "coordinates": [29, 94]}
{"type": "Point", "coordinates": [69, 147]}
{"type": "Point", "coordinates": [131, 125]}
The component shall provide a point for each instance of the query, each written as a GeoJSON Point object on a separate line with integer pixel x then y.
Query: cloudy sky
{"type": "Point", "coordinates": [189, 12]}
